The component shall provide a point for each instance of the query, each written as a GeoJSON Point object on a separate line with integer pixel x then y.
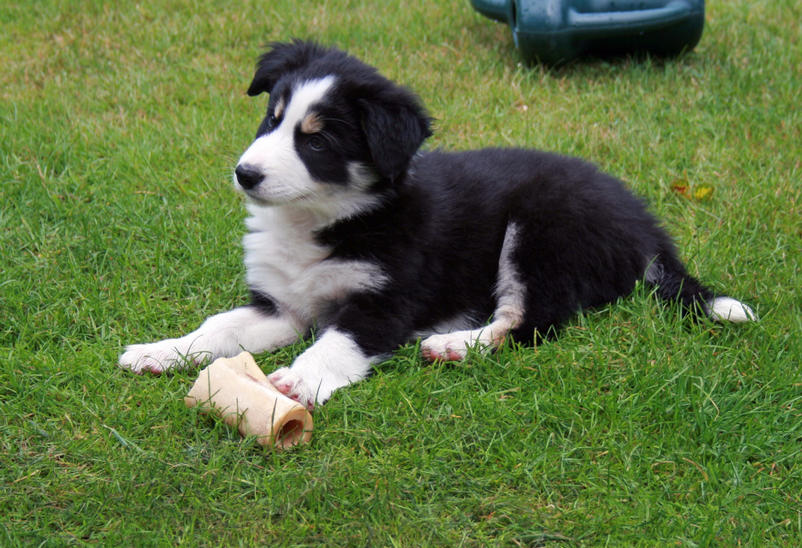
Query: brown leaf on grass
{"type": "Point", "coordinates": [682, 188]}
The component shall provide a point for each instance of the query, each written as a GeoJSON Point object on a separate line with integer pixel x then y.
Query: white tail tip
{"type": "Point", "coordinates": [727, 309]}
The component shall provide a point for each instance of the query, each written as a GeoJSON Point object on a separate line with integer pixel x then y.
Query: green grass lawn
{"type": "Point", "coordinates": [119, 127]}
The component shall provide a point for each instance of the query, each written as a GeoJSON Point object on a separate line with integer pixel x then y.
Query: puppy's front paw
{"type": "Point", "coordinates": [157, 357]}
{"type": "Point", "coordinates": [292, 385]}
{"type": "Point", "coordinates": [333, 362]}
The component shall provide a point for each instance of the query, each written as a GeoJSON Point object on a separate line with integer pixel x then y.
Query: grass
{"type": "Point", "coordinates": [119, 126]}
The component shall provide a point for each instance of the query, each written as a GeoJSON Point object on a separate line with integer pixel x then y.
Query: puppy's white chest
{"type": "Point", "coordinates": [284, 261]}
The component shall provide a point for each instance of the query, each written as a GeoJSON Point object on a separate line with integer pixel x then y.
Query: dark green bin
{"type": "Point", "coordinates": [558, 31]}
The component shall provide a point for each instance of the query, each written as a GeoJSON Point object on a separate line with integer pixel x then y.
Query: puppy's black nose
{"type": "Point", "coordinates": [248, 176]}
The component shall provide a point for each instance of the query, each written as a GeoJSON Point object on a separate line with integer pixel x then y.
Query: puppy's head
{"type": "Point", "coordinates": [334, 130]}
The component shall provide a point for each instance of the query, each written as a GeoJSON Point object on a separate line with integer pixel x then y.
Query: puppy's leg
{"type": "Point", "coordinates": [334, 361]}
{"type": "Point", "coordinates": [454, 346]}
{"type": "Point", "coordinates": [222, 335]}
{"type": "Point", "coordinates": [364, 329]}
{"type": "Point", "coordinates": [510, 297]}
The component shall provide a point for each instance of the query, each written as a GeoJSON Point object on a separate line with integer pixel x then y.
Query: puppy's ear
{"type": "Point", "coordinates": [395, 125]}
{"type": "Point", "coordinates": [283, 57]}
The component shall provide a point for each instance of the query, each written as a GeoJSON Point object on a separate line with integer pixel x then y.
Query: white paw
{"type": "Point", "coordinates": [158, 357]}
{"type": "Point", "coordinates": [451, 347]}
{"type": "Point", "coordinates": [292, 385]}
{"type": "Point", "coordinates": [333, 362]}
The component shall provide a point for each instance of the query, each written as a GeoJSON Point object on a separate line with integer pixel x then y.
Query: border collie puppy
{"type": "Point", "coordinates": [356, 232]}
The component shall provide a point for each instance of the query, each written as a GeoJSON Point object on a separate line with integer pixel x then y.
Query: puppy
{"type": "Point", "coordinates": [355, 231]}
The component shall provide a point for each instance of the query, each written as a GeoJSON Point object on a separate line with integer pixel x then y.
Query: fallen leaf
{"type": "Point", "coordinates": [681, 188]}
{"type": "Point", "coordinates": [703, 192]}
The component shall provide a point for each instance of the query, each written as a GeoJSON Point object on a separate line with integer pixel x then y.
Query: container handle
{"type": "Point", "coordinates": [641, 20]}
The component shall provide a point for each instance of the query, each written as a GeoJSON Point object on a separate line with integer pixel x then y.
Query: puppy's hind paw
{"type": "Point", "coordinates": [447, 347]}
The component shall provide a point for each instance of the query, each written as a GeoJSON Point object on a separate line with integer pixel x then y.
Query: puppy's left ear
{"type": "Point", "coordinates": [395, 125]}
{"type": "Point", "coordinates": [282, 58]}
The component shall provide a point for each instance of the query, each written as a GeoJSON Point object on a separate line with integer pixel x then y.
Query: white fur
{"type": "Point", "coordinates": [510, 294]}
{"type": "Point", "coordinates": [286, 178]}
{"type": "Point", "coordinates": [454, 346]}
{"type": "Point", "coordinates": [727, 309]}
{"type": "Point", "coordinates": [284, 261]}
{"type": "Point", "coordinates": [222, 335]}
{"type": "Point", "coordinates": [334, 361]}
{"type": "Point", "coordinates": [510, 289]}
{"type": "Point", "coordinates": [325, 203]}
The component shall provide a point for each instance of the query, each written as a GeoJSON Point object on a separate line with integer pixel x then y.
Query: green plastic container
{"type": "Point", "coordinates": [558, 31]}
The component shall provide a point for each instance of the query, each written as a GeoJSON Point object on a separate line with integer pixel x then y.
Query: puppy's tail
{"type": "Point", "coordinates": [672, 282]}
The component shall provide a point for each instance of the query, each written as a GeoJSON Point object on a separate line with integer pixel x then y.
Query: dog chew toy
{"type": "Point", "coordinates": [238, 391]}
{"type": "Point", "coordinates": [554, 32]}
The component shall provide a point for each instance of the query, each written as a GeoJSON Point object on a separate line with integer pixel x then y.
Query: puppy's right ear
{"type": "Point", "coordinates": [282, 58]}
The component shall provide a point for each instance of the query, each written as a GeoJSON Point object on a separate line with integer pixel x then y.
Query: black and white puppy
{"type": "Point", "coordinates": [354, 231]}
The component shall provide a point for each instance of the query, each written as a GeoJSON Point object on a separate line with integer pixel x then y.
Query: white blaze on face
{"type": "Point", "coordinates": [274, 155]}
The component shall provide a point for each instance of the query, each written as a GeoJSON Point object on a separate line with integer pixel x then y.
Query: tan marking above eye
{"type": "Point", "coordinates": [279, 110]}
{"type": "Point", "coordinates": [312, 123]}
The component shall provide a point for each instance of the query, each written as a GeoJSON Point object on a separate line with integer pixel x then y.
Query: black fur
{"type": "Point", "coordinates": [585, 239]}
{"type": "Point", "coordinates": [263, 302]}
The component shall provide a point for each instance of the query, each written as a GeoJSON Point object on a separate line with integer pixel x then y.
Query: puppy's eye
{"type": "Point", "coordinates": [316, 143]}
{"type": "Point", "coordinates": [272, 121]}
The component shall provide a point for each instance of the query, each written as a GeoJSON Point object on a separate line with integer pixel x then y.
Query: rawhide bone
{"type": "Point", "coordinates": [238, 391]}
